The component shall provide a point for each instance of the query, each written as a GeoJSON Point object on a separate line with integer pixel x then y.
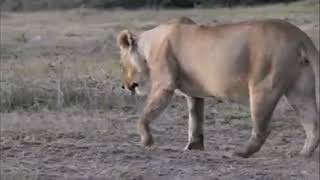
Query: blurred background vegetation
{"type": "Point", "coordinates": [28, 5]}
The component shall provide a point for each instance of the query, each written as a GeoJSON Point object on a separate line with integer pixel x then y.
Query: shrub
{"type": "Point", "coordinates": [27, 5]}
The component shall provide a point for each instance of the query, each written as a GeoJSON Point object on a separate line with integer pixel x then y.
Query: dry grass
{"type": "Point", "coordinates": [57, 59]}
{"type": "Point", "coordinates": [39, 84]}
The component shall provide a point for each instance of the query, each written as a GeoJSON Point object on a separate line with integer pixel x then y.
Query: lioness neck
{"type": "Point", "coordinates": [143, 45]}
{"type": "Point", "coordinates": [148, 39]}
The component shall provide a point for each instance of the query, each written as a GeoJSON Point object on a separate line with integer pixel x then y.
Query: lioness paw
{"type": "Point", "coordinates": [194, 146]}
{"type": "Point", "coordinates": [242, 153]}
{"type": "Point", "coordinates": [147, 141]}
{"type": "Point", "coordinates": [305, 153]}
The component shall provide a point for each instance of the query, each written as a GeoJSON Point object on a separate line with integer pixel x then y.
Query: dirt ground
{"type": "Point", "coordinates": [98, 144]}
{"type": "Point", "coordinates": [79, 143]}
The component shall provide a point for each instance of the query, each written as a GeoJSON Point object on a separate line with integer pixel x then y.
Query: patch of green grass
{"type": "Point", "coordinates": [22, 38]}
{"type": "Point", "coordinates": [41, 69]}
{"type": "Point", "coordinates": [236, 114]}
{"type": "Point", "coordinates": [32, 70]}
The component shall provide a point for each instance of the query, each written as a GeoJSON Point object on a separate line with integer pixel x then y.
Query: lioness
{"type": "Point", "coordinates": [253, 62]}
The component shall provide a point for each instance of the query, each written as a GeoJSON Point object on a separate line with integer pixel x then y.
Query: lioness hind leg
{"type": "Point", "coordinates": [303, 99]}
{"type": "Point", "coordinates": [195, 132]}
{"type": "Point", "coordinates": [262, 104]}
{"type": "Point", "coordinates": [310, 123]}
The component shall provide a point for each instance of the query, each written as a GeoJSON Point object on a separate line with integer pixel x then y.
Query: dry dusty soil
{"type": "Point", "coordinates": [97, 144]}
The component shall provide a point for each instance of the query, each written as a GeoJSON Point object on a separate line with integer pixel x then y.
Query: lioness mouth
{"type": "Point", "coordinates": [132, 88]}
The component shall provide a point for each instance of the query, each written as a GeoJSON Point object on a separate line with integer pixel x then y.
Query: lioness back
{"type": "Point", "coordinates": [229, 54]}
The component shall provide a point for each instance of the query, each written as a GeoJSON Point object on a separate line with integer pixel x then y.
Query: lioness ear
{"type": "Point", "coordinates": [125, 39]}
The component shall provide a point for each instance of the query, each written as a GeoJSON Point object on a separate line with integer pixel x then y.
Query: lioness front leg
{"type": "Point", "coordinates": [157, 101]}
{"type": "Point", "coordinates": [195, 131]}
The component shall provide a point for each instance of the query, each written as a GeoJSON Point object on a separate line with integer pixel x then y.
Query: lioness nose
{"type": "Point", "coordinates": [122, 86]}
{"type": "Point", "coordinates": [133, 86]}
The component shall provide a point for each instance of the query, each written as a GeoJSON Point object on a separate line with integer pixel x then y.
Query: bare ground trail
{"type": "Point", "coordinates": [79, 144]}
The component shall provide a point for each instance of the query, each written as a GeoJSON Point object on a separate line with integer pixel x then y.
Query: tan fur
{"type": "Point", "coordinates": [181, 20]}
{"type": "Point", "coordinates": [254, 63]}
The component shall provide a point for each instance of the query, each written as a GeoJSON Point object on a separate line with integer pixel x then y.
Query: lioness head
{"type": "Point", "coordinates": [134, 68]}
